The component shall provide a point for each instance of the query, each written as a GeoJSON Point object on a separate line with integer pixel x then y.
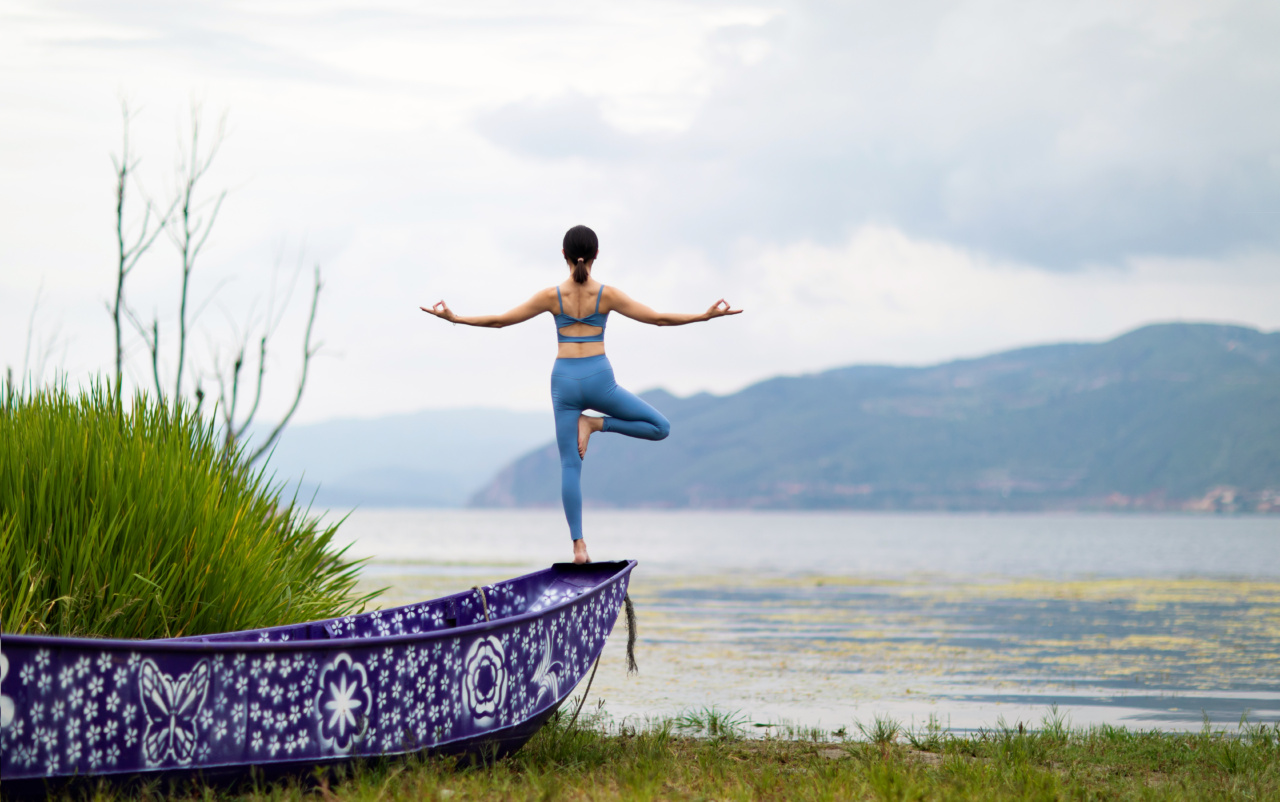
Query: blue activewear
{"type": "Point", "coordinates": [588, 383]}
{"type": "Point", "coordinates": [593, 319]}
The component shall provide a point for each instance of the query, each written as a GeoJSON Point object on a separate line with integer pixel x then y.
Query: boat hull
{"type": "Point", "coordinates": [479, 671]}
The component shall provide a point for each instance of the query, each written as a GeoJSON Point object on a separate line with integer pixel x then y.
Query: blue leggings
{"type": "Point", "coordinates": [588, 383]}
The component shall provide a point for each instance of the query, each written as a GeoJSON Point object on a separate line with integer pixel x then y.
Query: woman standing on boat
{"type": "Point", "coordinates": [582, 378]}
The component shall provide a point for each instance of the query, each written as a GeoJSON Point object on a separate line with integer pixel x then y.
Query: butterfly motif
{"type": "Point", "coordinates": [171, 707]}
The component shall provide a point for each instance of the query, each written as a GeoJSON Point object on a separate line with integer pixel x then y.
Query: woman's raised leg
{"type": "Point", "coordinates": [626, 412]}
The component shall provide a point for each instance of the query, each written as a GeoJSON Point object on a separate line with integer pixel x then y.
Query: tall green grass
{"type": "Point", "coordinates": [134, 522]}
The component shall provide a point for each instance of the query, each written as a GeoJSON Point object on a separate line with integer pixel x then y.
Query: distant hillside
{"type": "Point", "coordinates": [433, 458]}
{"type": "Point", "coordinates": [1168, 416]}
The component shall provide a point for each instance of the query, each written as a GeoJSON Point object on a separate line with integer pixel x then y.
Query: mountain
{"type": "Point", "coordinates": [1167, 416]}
{"type": "Point", "coordinates": [433, 458]}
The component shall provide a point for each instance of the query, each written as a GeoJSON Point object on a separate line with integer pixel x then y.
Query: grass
{"type": "Point", "coordinates": [602, 760]}
{"type": "Point", "coordinates": [712, 722]}
{"type": "Point", "coordinates": [134, 522]}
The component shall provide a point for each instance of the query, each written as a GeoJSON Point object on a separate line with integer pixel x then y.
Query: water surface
{"type": "Point", "coordinates": [832, 618]}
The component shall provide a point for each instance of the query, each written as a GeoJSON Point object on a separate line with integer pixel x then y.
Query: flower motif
{"type": "Point", "coordinates": [484, 685]}
{"type": "Point", "coordinates": [6, 704]}
{"type": "Point", "coordinates": [343, 704]}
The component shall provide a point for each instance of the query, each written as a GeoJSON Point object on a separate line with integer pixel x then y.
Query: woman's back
{"type": "Point", "coordinates": [578, 314]}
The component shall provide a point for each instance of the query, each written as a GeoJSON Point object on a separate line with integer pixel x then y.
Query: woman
{"type": "Point", "coordinates": [583, 378]}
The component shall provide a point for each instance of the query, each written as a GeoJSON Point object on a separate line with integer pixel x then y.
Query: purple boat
{"type": "Point", "coordinates": [477, 671]}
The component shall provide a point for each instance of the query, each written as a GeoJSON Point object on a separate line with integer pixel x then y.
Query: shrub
{"type": "Point", "coordinates": [135, 522]}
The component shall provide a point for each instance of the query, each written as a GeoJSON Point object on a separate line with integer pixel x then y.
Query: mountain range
{"type": "Point", "coordinates": [432, 458]}
{"type": "Point", "coordinates": [1170, 416]}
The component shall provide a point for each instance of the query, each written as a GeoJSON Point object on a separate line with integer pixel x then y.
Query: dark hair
{"type": "Point", "coordinates": [580, 247]}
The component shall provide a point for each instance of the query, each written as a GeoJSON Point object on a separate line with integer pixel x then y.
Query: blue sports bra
{"type": "Point", "coordinates": [593, 319]}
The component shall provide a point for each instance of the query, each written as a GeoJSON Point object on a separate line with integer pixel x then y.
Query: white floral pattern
{"type": "Point", "coordinates": [484, 685]}
{"type": "Point", "coordinates": [6, 704]}
{"type": "Point", "coordinates": [343, 703]}
{"type": "Point", "coordinates": [77, 706]}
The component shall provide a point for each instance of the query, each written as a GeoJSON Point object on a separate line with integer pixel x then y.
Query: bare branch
{"type": "Point", "coordinates": [152, 340]}
{"type": "Point", "coordinates": [257, 394]}
{"type": "Point", "coordinates": [130, 249]}
{"type": "Point", "coordinates": [195, 230]}
{"type": "Point", "coordinates": [208, 227]}
{"type": "Point", "coordinates": [308, 351]}
{"type": "Point", "coordinates": [213, 294]}
{"type": "Point", "coordinates": [31, 329]}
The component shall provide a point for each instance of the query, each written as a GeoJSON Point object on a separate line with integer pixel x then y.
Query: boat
{"type": "Point", "coordinates": [476, 672]}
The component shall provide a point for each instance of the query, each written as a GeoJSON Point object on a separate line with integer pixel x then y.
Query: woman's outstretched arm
{"type": "Point", "coordinates": [624, 304]}
{"type": "Point", "coordinates": [533, 307]}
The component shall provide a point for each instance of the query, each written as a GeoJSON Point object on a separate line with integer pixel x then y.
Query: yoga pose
{"type": "Point", "coordinates": [582, 378]}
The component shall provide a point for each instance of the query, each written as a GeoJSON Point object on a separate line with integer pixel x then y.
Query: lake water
{"type": "Point", "coordinates": [829, 619]}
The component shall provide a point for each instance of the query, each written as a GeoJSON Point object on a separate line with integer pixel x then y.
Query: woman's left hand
{"type": "Point", "coordinates": [717, 311]}
{"type": "Point", "coordinates": [441, 310]}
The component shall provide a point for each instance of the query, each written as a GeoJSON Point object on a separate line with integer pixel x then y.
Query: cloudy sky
{"type": "Point", "coordinates": [873, 182]}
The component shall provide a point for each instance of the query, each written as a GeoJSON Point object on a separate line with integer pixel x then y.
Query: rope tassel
{"type": "Point", "coordinates": [632, 668]}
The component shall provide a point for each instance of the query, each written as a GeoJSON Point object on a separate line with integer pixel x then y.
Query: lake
{"type": "Point", "coordinates": [829, 619]}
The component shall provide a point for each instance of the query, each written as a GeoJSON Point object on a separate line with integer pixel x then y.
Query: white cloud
{"type": "Point", "coordinates": [873, 182]}
{"type": "Point", "coordinates": [884, 297]}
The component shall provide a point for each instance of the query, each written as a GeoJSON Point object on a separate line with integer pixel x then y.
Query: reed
{"type": "Point", "coordinates": [133, 521]}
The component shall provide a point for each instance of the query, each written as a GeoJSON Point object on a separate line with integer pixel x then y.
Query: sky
{"type": "Point", "coordinates": [873, 183]}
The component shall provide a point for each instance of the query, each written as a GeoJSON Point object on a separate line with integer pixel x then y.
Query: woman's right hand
{"type": "Point", "coordinates": [441, 310]}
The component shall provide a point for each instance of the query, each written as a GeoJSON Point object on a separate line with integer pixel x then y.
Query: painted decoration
{"type": "Point", "coordinates": [434, 675]}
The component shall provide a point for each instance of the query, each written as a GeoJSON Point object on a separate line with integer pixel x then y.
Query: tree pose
{"type": "Point", "coordinates": [582, 378]}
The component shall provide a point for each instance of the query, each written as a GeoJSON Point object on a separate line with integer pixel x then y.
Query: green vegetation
{"type": "Point", "coordinates": [598, 761]}
{"type": "Point", "coordinates": [134, 522]}
{"type": "Point", "coordinates": [1149, 420]}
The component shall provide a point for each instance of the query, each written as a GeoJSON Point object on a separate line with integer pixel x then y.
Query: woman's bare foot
{"type": "Point", "coordinates": [587, 426]}
{"type": "Point", "coordinates": [580, 555]}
